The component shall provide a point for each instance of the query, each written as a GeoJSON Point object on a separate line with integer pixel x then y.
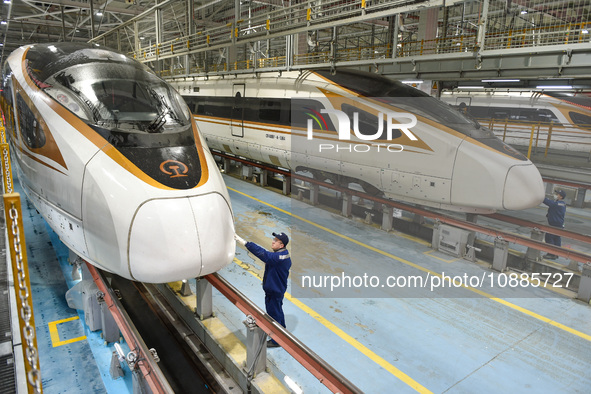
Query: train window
{"type": "Point", "coordinates": [219, 107]}
{"type": "Point", "coordinates": [31, 130]}
{"type": "Point", "coordinates": [270, 111]}
{"type": "Point", "coordinates": [367, 123]}
{"type": "Point", "coordinates": [527, 114]}
{"type": "Point", "coordinates": [545, 115]}
{"type": "Point", "coordinates": [192, 103]}
{"type": "Point", "coordinates": [580, 119]}
{"type": "Point", "coordinates": [498, 113]}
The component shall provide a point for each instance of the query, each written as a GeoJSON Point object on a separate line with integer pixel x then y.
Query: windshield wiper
{"type": "Point", "coordinates": [156, 125]}
{"type": "Point", "coordinates": [163, 109]}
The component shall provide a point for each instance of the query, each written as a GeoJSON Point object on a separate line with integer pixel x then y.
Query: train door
{"type": "Point", "coordinates": [237, 123]}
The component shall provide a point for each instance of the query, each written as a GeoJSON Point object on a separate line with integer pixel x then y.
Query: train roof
{"type": "Point", "coordinates": [370, 84]}
{"type": "Point", "coordinates": [44, 60]}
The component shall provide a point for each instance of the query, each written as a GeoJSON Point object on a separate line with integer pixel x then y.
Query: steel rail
{"type": "Point", "coordinates": [145, 361]}
{"type": "Point", "coordinates": [544, 227]}
{"type": "Point", "coordinates": [325, 373]}
{"type": "Point", "coordinates": [544, 247]}
{"type": "Point", "coordinates": [568, 183]}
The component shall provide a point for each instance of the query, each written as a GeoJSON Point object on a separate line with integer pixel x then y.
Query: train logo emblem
{"type": "Point", "coordinates": [174, 168]}
{"type": "Point", "coordinates": [344, 124]}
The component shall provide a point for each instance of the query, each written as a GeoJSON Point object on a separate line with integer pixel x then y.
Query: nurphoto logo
{"type": "Point", "coordinates": [406, 121]}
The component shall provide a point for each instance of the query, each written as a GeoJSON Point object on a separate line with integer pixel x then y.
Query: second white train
{"type": "Point", "coordinates": [294, 120]}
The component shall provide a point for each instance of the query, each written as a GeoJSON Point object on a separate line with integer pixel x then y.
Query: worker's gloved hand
{"type": "Point", "coordinates": [239, 239]}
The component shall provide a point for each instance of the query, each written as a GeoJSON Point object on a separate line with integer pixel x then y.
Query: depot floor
{"type": "Point", "coordinates": [355, 298]}
{"type": "Point", "coordinates": [494, 336]}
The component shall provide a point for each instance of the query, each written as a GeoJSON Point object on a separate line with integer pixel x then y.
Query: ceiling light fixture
{"type": "Point", "coordinates": [500, 80]}
{"type": "Point", "coordinates": [564, 87]}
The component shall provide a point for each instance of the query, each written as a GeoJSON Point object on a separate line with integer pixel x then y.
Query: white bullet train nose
{"type": "Point", "coordinates": [524, 187]}
{"type": "Point", "coordinates": [485, 177]}
{"type": "Point", "coordinates": [195, 234]}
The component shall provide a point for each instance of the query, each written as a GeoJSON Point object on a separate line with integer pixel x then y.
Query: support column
{"type": "Point", "coordinates": [387, 217]}
{"type": "Point", "coordinates": [533, 254]}
{"type": "Point", "coordinates": [263, 179]}
{"type": "Point", "coordinates": [110, 331]}
{"type": "Point", "coordinates": [190, 32]}
{"type": "Point", "coordinates": [435, 237]}
{"type": "Point", "coordinates": [247, 172]}
{"type": "Point", "coordinates": [584, 293]}
{"type": "Point", "coordinates": [347, 205]}
{"type": "Point", "coordinates": [204, 307]}
{"type": "Point", "coordinates": [227, 165]}
{"type": "Point", "coordinates": [286, 185]}
{"type": "Point", "coordinates": [580, 200]}
{"type": "Point", "coordinates": [256, 348]}
{"type": "Point", "coordinates": [314, 193]}
{"type": "Point", "coordinates": [501, 254]}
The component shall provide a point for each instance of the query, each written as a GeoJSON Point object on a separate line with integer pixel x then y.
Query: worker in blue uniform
{"type": "Point", "coordinates": [277, 265]}
{"type": "Point", "coordinates": [555, 215]}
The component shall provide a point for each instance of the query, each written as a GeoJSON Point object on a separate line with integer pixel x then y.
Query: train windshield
{"type": "Point", "coordinates": [120, 97]}
{"type": "Point", "coordinates": [407, 99]}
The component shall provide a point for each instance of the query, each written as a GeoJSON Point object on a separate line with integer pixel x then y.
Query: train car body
{"type": "Point", "coordinates": [110, 156]}
{"type": "Point", "coordinates": [452, 164]}
{"type": "Point", "coordinates": [559, 121]}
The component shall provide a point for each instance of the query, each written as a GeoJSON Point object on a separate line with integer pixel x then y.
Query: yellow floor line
{"type": "Point", "coordinates": [477, 291]}
{"type": "Point", "coordinates": [430, 254]}
{"type": "Point", "coordinates": [346, 337]}
{"type": "Point", "coordinates": [55, 336]}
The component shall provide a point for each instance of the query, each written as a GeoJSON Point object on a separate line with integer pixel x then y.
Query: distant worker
{"type": "Point", "coordinates": [277, 265]}
{"type": "Point", "coordinates": [555, 215]}
{"type": "Point", "coordinates": [463, 108]}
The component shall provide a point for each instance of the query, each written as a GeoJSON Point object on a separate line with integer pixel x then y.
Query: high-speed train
{"type": "Point", "coordinates": [111, 157]}
{"type": "Point", "coordinates": [561, 121]}
{"type": "Point", "coordinates": [357, 127]}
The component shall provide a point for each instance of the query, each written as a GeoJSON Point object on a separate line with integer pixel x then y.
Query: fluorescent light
{"type": "Point", "coordinates": [523, 12]}
{"type": "Point", "coordinates": [470, 87]}
{"type": "Point", "coordinates": [98, 13]}
{"type": "Point", "coordinates": [500, 80]}
{"type": "Point", "coordinates": [565, 87]}
{"type": "Point", "coordinates": [3, 23]}
{"type": "Point", "coordinates": [585, 31]}
{"type": "Point", "coordinates": [413, 81]}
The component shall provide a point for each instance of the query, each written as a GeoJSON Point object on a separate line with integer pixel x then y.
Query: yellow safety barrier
{"type": "Point", "coordinates": [22, 287]}
{"type": "Point", "coordinates": [20, 270]}
{"type": "Point", "coordinates": [6, 169]}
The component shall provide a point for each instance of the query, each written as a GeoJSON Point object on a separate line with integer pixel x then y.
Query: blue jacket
{"type": "Point", "coordinates": [277, 265]}
{"type": "Point", "coordinates": [556, 212]}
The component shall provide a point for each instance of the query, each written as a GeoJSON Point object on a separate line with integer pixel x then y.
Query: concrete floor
{"type": "Point", "coordinates": [489, 339]}
{"type": "Point", "coordinates": [485, 338]}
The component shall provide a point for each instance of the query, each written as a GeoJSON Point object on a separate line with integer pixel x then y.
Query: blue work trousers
{"type": "Point", "coordinates": [274, 306]}
{"type": "Point", "coordinates": [553, 239]}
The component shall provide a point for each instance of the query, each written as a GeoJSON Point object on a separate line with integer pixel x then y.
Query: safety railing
{"type": "Point", "coordinates": [541, 135]}
{"type": "Point", "coordinates": [18, 257]}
